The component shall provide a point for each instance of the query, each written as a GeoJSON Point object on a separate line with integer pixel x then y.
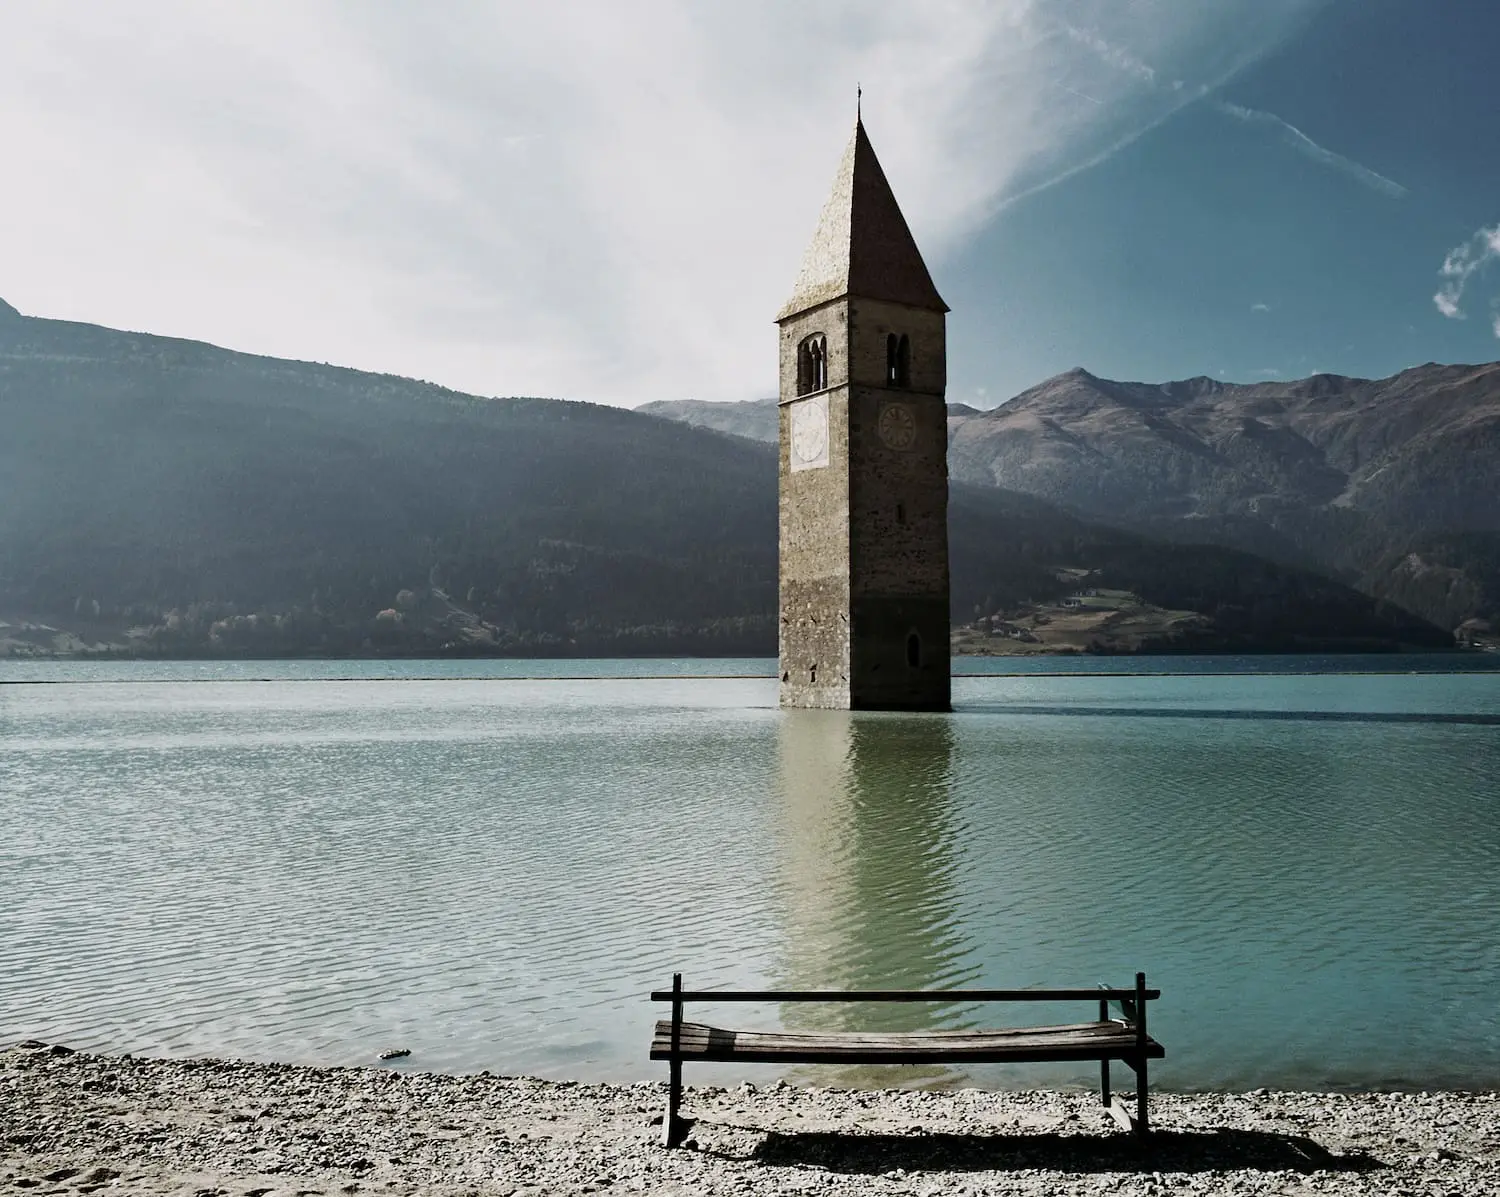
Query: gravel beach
{"type": "Point", "coordinates": [72, 1123]}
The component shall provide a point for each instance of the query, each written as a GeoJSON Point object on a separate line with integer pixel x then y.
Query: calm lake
{"type": "Point", "coordinates": [492, 863]}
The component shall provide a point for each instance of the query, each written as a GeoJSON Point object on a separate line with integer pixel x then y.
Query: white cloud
{"type": "Point", "coordinates": [1116, 56]}
{"type": "Point", "coordinates": [584, 198]}
{"type": "Point", "coordinates": [1309, 148]}
{"type": "Point", "coordinates": [1447, 303]}
{"type": "Point", "coordinates": [1460, 265]}
{"type": "Point", "coordinates": [1260, 307]}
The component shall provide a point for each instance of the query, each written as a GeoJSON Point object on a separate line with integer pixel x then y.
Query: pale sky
{"type": "Point", "coordinates": [608, 201]}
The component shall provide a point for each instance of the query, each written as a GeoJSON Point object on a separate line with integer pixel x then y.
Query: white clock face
{"type": "Point", "coordinates": [809, 420]}
{"type": "Point", "coordinates": [897, 426]}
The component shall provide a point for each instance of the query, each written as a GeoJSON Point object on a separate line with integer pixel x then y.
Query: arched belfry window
{"type": "Point", "coordinates": [812, 364]}
{"type": "Point", "coordinates": [898, 360]}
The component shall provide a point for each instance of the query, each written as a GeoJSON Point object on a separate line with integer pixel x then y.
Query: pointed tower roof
{"type": "Point", "coordinates": [862, 246]}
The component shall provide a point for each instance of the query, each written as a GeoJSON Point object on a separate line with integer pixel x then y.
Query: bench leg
{"type": "Point", "coordinates": [673, 1131]}
{"type": "Point", "coordinates": [1142, 1125]}
{"type": "Point", "coordinates": [1104, 1082]}
{"type": "Point", "coordinates": [1120, 1108]}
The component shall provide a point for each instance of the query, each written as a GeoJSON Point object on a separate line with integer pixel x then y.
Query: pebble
{"type": "Point", "coordinates": [73, 1123]}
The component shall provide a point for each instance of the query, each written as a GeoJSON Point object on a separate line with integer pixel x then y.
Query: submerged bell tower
{"type": "Point", "coordinates": [864, 605]}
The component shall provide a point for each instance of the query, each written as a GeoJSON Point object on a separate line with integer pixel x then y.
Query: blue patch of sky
{"type": "Point", "coordinates": [1245, 246]}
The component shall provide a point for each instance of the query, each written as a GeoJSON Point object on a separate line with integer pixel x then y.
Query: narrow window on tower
{"type": "Point", "coordinates": [903, 361]}
{"type": "Point", "coordinates": [812, 364]}
{"type": "Point", "coordinates": [891, 346]}
{"type": "Point", "coordinates": [901, 513]}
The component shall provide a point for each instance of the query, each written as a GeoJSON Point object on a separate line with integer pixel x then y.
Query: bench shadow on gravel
{"type": "Point", "coordinates": [1219, 1150]}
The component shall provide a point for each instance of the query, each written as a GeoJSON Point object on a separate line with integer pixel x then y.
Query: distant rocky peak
{"type": "Point", "coordinates": [1186, 390]}
{"type": "Point", "coordinates": [7, 312]}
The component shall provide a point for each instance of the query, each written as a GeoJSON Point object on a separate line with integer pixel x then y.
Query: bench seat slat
{"type": "Point", "coordinates": [692, 1030]}
{"type": "Point", "coordinates": [1077, 1041]}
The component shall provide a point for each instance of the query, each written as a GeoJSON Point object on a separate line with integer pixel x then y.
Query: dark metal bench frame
{"type": "Point", "coordinates": [1130, 1002]}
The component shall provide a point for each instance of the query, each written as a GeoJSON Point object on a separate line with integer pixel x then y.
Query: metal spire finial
{"type": "Point", "coordinates": [859, 94]}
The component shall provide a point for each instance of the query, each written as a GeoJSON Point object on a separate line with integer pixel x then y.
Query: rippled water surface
{"type": "Point", "coordinates": [314, 861]}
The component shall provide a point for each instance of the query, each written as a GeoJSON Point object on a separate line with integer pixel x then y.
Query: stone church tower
{"type": "Point", "coordinates": [864, 473]}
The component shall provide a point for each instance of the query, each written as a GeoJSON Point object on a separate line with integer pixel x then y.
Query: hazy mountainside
{"type": "Point", "coordinates": [219, 502]}
{"type": "Point", "coordinates": [1010, 550]}
{"type": "Point", "coordinates": [1350, 476]}
{"type": "Point", "coordinates": [1392, 484]}
{"type": "Point", "coordinates": [149, 475]}
{"type": "Point", "coordinates": [752, 418]}
{"type": "Point", "coordinates": [1422, 447]}
{"type": "Point", "coordinates": [1453, 580]}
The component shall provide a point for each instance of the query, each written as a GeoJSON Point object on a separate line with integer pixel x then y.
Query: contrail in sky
{"type": "Point", "coordinates": [1309, 148]}
{"type": "Point", "coordinates": [1080, 95]}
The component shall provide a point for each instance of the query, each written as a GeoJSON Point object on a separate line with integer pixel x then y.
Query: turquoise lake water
{"type": "Point", "coordinates": [491, 863]}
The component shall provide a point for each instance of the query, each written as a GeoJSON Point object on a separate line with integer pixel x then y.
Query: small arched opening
{"type": "Point", "coordinates": [812, 364]}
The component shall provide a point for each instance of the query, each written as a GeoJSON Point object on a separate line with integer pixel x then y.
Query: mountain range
{"type": "Point", "coordinates": [1389, 485]}
{"type": "Point", "coordinates": [161, 496]}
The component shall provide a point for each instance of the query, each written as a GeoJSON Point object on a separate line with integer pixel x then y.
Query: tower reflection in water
{"type": "Point", "coordinates": [867, 878]}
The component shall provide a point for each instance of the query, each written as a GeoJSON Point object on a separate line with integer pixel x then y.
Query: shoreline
{"type": "Point", "coordinates": [985, 654]}
{"type": "Point", "coordinates": [73, 1122]}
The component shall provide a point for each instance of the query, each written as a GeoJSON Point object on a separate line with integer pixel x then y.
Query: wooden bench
{"type": "Point", "coordinates": [1121, 1038]}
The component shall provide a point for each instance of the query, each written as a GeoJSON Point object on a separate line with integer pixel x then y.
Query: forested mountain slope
{"type": "Point", "coordinates": [1392, 484]}
{"type": "Point", "coordinates": [149, 475]}
{"type": "Point", "coordinates": [175, 497]}
{"type": "Point", "coordinates": [1366, 480]}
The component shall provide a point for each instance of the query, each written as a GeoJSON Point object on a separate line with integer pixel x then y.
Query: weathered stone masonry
{"type": "Point", "coordinates": [864, 493]}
